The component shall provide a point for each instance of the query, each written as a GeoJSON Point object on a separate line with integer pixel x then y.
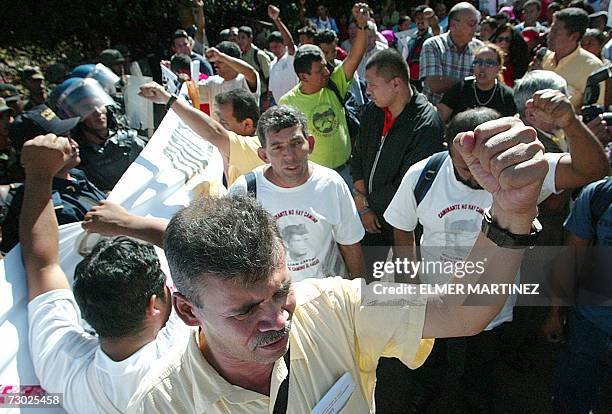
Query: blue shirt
{"type": "Point", "coordinates": [580, 223]}
{"type": "Point", "coordinates": [72, 199]}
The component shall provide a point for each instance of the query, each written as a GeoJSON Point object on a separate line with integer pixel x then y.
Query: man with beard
{"type": "Point", "coordinates": [450, 210]}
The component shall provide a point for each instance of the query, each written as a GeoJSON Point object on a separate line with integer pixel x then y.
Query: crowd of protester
{"type": "Point", "coordinates": [347, 138]}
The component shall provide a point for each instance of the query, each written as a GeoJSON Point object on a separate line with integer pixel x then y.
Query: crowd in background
{"type": "Point", "coordinates": [351, 119]}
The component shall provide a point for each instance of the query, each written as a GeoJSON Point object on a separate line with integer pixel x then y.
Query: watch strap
{"type": "Point", "coordinates": [171, 101]}
{"type": "Point", "coordinates": [503, 238]}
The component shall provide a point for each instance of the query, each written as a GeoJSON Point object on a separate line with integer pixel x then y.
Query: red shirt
{"type": "Point", "coordinates": [388, 123]}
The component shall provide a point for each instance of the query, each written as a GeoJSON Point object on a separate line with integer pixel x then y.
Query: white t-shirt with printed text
{"type": "Point", "coordinates": [451, 216]}
{"type": "Point", "coordinates": [311, 218]}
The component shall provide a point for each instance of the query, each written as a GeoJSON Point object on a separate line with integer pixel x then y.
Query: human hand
{"type": "Point", "coordinates": [213, 54]}
{"type": "Point", "coordinates": [198, 3]}
{"type": "Point", "coordinates": [107, 219]}
{"type": "Point", "coordinates": [46, 155]}
{"type": "Point", "coordinates": [370, 222]}
{"type": "Point", "coordinates": [273, 12]}
{"type": "Point", "coordinates": [154, 92]}
{"type": "Point", "coordinates": [506, 159]}
{"type": "Point", "coordinates": [553, 106]}
{"type": "Point", "coordinates": [361, 13]}
{"type": "Point", "coordinates": [600, 129]}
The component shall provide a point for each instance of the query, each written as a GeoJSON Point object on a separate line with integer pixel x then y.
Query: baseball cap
{"type": "Point", "coordinates": [39, 120]}
{"type": "Point", "coordinates": [109, 57]}
{"type": "Point", "coordinates": [30, 72]}
{"type": "Point", "coordinates": [4, 107]}
{"type": "Point", "coordinates": [9, 92]}
{"type": "Point", "coordinates": [598, 14]}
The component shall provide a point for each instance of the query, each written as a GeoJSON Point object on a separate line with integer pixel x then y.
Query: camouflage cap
{"type": "Point", "coordinates": [9, 92]}
{"type": "Point", "coordinates": [109, 57]}
{"type": "Point", "coordinates": [4, 107]}
{"type": "Point", "coordinates": [30, 72]}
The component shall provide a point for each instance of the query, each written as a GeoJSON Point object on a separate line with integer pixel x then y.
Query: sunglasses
{"type": "Point", "coordinates": [504, 39]}
{"type": "Point", "coordinates": [489, 63]}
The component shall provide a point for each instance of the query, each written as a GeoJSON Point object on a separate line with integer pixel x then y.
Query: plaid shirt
{"type": "Point", "coordinates": [440, 57]}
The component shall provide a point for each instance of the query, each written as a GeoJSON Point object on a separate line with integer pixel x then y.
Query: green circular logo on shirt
{"type": "Point", "coordinates": [324, 119]}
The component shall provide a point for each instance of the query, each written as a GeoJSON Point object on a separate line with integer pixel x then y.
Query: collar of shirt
{"type": "Point", "coordinates": [222, 389]}
{"type": "Point", "coordinates": [388, 122]}
{"type": "Point", "coordinates": [565, 60]}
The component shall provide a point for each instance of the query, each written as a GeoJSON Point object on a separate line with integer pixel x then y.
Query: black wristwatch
{"type": "Point", "coordinates": [172, 99]}
{"type": "Point", "coordinates": [503, 238]}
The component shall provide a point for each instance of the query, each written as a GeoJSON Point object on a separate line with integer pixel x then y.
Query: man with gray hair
{"type": "Point", "coordinates": [227, 260]}
{"type": "Point", "coordinates": [447, 58]}
{"type": "Point", "coordinates": [308, 200]}
{"type": "Point", "coordinates": [559, 136]}
{"type": "Point", "coordinates": [550, 133]}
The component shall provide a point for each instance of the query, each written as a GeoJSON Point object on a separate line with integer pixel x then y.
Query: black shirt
{"type": "Point", "coordinates": [72, 199]}
{"type": "Point", "coordinates": [462, 96]}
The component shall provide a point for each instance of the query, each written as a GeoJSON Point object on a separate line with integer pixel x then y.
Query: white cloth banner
{"type": "Point", "coordinates": [175, 167]}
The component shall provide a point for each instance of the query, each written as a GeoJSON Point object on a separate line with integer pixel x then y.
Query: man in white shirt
{"type": "Point", "coordinates": [451, 210]}
{"type": "Point", "coordinates": [282, 75]}
{"type": "Point", "coordinates": [311, 203]}
{"type": "Point", "coordinates": [120, 291]}
{"type": "Point", "coordinates": [232, 73]}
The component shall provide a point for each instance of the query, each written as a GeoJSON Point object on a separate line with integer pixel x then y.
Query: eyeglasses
{"type": "Point", "coordinates": [504, 39]}
{"type": "Point", "coordinates": [489, 63]}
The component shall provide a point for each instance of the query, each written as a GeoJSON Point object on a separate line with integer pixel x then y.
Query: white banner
{"type": "Point", "coordinates": [175, 167]}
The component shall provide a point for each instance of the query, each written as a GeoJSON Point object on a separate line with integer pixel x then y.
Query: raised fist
{"type": "Point", "coordinates": [154, 92]}
{"type": "Point", "coordinates": [273, 12]}
{"type": "Point", "coordinates": [505, 157]}
{"type": "Point", "coordinates": [361, 13]}
{"type": "Point", "coordinates": [49, 154]}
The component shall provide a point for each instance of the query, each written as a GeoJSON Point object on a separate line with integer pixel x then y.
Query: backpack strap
{"type": "Point", "coordinates": [428, 175]}
{"type": "Point", "coordinates": [334, 88]}
{"type": "Point", "coordinates": [251, 183]}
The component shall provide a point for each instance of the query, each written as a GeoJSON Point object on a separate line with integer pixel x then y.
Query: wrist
{"type": "Point", "coordinates": [572, 123]}
{"type": "Point", "coordinates": [513, 222]}
{"type": "Point", "coordinates": [37, 176]}
{"type": "Point", "coordinates": [171, 100]}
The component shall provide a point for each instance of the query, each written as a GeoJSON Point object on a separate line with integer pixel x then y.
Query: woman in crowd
{"type": "Point", "coordinates": [516, 52]}
{"type": "Point", "coordinates": [485, 88]}
{"type": "Point", "coordinates": [593, 41]}
{"type": "Point", "coordinates": [487, 27]}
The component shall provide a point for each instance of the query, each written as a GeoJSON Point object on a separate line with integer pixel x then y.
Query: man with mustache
{"type": "Point", "coordinates": [228, 261]}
